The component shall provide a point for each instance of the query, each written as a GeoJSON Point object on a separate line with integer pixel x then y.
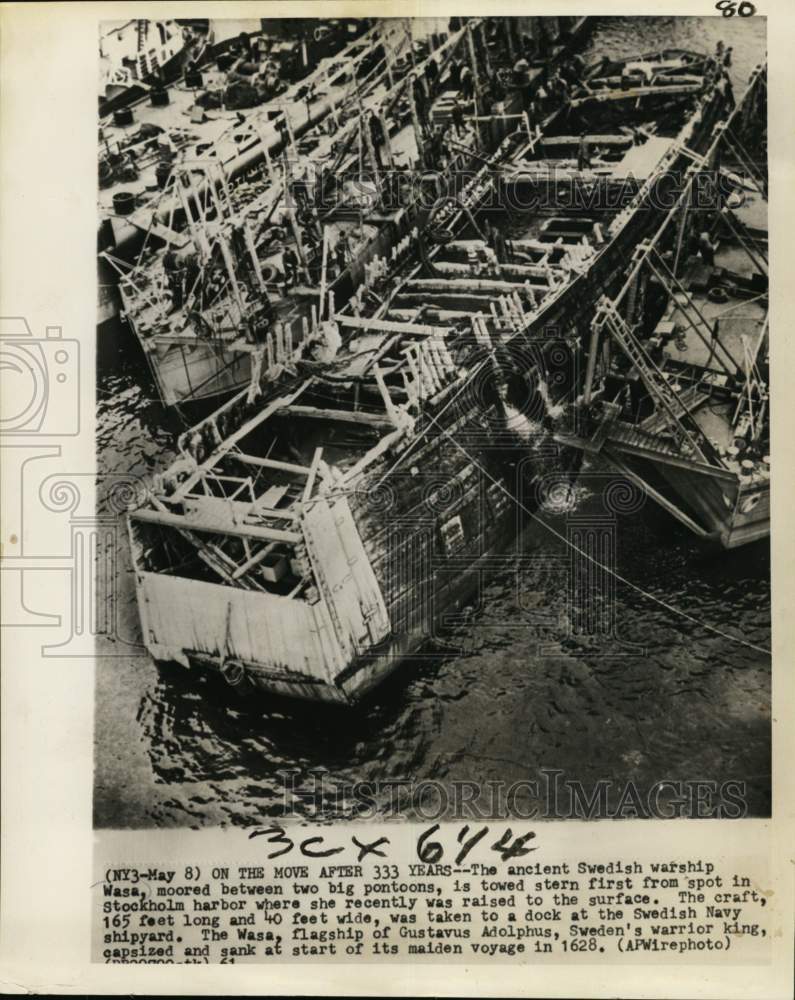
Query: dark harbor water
{"type": "Point", "coordinates": [509, 693]}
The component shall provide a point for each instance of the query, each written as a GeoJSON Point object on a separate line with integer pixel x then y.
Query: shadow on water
{"type": "Point", "coordinates": [258, 734]}
{"type": "Point", "coordinates": [493, 697]}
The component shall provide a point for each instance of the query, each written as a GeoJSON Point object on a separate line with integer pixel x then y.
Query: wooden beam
{"type": "Point", "coordinates": [444, 314]}
{"type": "Point", "coordinates": [310, 479]}
{"type": "Point", "coordinates": [269, 463]}
{"type": "Point", "coordinates": [211, 555]}
{"type": "Point", "coordinates": [491, 118]}
{"type": "Point", "coordinates": [286, 514]}
{"type": "Point", "coordinates": [344, 416]}
{"type": "Point", "coordinates": [591, 367]}
{"type": "Point", "coordinates": [515, 270]}
{"type": "Point", "coordinates": [600, 96]}
{"type": "Point", "coordinates": [490, 287]}
{"type": "Point", "coordinates": [235, 345]}
{"type": "Point", "coordinates": [301, 583]}
{"type": "Point", "coordinates": [389, 406]}
{"type": "Point", "coordinates": [366, 460]}
{"type": "Point", "coordinates": [323, 266]}
{"type": "Point", "coordinates": [515, 244]}
{"type": "Point", "coordinates": [389, 326]}
{"type": "Point", "coordinates": [183, 523]}
{"type": "Point", "coordinates": [228, 443]}
{"type": "Point", "coordinates": [574, 140]}
{"type": "Point", "coordinates": [255, 560]}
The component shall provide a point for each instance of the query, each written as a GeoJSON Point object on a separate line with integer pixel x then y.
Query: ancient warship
{"type": "Point", "coordinates": [322, 524]}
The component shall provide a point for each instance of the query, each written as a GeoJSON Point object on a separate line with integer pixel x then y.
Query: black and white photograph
{"type": "Point", "coordinates": [432, 409]}
{"type": "Point", "coordinates": [395, 585]}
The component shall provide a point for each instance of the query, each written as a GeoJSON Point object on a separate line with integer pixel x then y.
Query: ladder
{"type": "Point", "coordinates": [680, 419]}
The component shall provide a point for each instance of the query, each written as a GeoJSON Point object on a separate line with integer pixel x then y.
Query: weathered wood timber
{"type": "Point", "coordinates": [427, 421]}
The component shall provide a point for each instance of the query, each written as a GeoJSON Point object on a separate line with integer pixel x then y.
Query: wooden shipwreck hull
{"type": "Point", "coordinates": [319, 526]}
{"type": "Point", "coordinates": [537, 296]}
{"type": "Point", "coordinates": [315, 580]}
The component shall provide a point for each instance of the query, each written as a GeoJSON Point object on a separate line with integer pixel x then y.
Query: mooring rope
{"type": "Point", "coordinates": [470, 376]}
{"type": "Point", "coordinates": [617, 576]}
{"type": "Point", "coordinates": [622, 579]}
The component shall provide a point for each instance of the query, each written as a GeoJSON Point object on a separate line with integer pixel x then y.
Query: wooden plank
{"type": "Point", "coordinates": [389, 326]}
{"type": "Point", "coordinates": [272, 496]}
{"type": "Point", "coordinates": [183, 523]}
{"type": "Point", "coordinates": [344, 416]}
{"type": "Point", "coordinates": [310, 479]}
{"type": "Point", "coordinates": [270, 463]}
{"type": "Point", "coordinates": [344, 576]}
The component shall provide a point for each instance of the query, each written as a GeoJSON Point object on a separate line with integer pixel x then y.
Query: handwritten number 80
{"type": "Point", "coordinates": [729, 9]}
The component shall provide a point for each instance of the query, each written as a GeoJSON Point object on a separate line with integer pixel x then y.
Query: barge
{"type": "Point", "coordinates": [334, 202]}
{"type": "Point", "coordinates": [676, 396]}
{"type": "Point", "coordinates": [199, 117]}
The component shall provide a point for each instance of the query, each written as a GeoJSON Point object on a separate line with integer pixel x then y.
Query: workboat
{"type": "Point", "coordinates": [331, 204]}
{"type": "Point", "coordinates": [135, 54]}
{"type": "Point", "coordinates": [676, 394]}
{"type": "Point", "coordinates": [154, 120]}
{"type": "Point", "coordinates": [324, 523]}
{"type": "Point", "coordinates": [175, 138]}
